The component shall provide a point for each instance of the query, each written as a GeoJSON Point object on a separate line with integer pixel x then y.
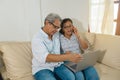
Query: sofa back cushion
{"type": "Point", "coordinates": [90, 39]}
{"type": "Point", "coordinates": [112, 45]}
{"type": "Point", "coordinates": [17, 58]}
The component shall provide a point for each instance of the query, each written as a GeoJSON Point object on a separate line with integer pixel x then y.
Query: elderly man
{"type": "Point", "coordinates": [47, 60]}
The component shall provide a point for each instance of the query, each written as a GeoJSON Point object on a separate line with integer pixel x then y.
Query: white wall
{"type": "Point", "coordinates": [21, 19]}
{"type": "Point", "coordinates": [76, 9]}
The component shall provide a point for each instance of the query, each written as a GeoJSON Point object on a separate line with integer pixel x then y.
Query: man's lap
{"type": "Point", "coordinates": [44, 74]}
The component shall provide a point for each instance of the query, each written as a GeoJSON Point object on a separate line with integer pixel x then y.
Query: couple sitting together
{"type": "Point", "coordinates": [48, 59]}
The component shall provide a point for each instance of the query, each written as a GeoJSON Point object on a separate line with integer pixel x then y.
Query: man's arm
{"type": "Point", "coordinates": [63, 57]}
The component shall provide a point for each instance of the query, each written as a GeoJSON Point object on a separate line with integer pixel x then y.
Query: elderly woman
{"type": "Point", "coordinates": [71, 42]}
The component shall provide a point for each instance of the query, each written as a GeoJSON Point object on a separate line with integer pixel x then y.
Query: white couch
{"type": "Point", "coordinates": [17, 57]}
{"type": "Point", "coordinates": [109, 68]}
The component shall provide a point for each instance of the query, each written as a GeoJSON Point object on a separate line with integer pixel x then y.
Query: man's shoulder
{"type": "Point", "coordinates": [56, 35]}
{"type": "Point", "coordinates": [37, 37]}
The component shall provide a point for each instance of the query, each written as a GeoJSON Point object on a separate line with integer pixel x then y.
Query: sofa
{"type": "Point", "coordinates": [16, 57]}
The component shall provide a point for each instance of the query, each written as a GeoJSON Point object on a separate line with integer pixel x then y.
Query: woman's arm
{"type": "Point", "coordinates": [82, 42]}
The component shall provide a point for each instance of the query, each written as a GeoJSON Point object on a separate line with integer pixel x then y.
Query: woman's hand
{"type": "Point", "coordinates": [82, 42]}
{"type": "Point", "coordinates": [76, 32]}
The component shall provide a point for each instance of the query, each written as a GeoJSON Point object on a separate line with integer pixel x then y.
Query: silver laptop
{"type": "Point", "coordinates": [89, 60]}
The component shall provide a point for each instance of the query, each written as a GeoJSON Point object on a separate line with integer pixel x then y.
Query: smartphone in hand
{"type": "Point", "coordinates": [74, 29]}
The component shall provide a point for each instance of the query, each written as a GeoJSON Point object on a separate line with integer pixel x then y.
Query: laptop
{"type": "Point", "coordinates": [89, 59]}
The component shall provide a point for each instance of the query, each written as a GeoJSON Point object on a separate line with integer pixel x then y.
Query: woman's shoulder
{"type": "Point", "coordinates": [61, 35]}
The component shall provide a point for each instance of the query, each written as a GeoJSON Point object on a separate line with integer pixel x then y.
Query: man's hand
{"type": "Point", "coordinates": [68, 56]}
{"type": "Point", "coordinates": [74, 57]}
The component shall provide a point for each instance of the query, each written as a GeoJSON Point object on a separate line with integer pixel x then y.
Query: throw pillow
{"type": "Point", "coordinates": [90, 37]}
{"type": "Point", "coordinates": [101, 55]}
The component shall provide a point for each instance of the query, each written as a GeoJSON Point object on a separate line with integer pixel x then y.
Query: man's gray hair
{"type": "Point", "coordinates": [52, 17]}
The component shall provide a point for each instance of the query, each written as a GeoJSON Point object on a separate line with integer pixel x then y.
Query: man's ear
{"type": "Point", "coordinates": [46, 24]}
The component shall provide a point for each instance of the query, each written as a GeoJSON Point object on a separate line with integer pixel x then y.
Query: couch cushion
{"type": "Point", "coordinates": [111, 44]}
{"type": "Point", "coordinates": [18, 60]}
{"type": "Point", "coordinates": [90, 39]}
{"type": "Point", "coordinates": [107, 73]}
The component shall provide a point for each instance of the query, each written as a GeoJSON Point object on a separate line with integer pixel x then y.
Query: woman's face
{"type": "Point", "coordinates": [68, 28]}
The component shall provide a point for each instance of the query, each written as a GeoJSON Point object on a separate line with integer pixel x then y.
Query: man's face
{"type": "Point", "coordinates": [52, 28]}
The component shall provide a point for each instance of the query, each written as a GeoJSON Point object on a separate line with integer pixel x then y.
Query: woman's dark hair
{"type": "Point", "coordinates": [62, 24]}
